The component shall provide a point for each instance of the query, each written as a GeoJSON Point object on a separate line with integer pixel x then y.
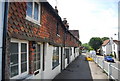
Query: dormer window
{"type": "Point", "coordinates": [33, 12]}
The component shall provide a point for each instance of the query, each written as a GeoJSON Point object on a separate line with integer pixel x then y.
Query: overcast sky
{"type": "Point", "coordinates": [93, 18]}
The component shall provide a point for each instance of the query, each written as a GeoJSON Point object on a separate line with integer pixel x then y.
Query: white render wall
{"type": "Point", "coordinates": [107, 49]}
{"type": "Point", "coordinates": [72, 56]}
{"type": "Point", "coordinates": [49, 73]}
{"type": "Point", "coordinates": [104, 50]}
{"type": "Point", "coordinates": [76, 52]}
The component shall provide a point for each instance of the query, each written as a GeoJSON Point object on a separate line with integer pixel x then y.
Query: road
{"type": "Point", "coordinates": [80, 70]}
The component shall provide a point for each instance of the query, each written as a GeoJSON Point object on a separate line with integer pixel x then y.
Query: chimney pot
{"type": "Point", "coordinates": [56, 10]}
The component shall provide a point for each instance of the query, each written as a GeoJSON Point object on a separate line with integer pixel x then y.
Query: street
{"type": "Point", "coordinates": [82, 69]}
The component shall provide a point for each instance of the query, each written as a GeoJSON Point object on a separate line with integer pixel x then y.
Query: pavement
{"type": "Point", "coordinates": [80, 69]}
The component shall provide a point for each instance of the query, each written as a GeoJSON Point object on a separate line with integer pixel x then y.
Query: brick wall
{"type": "Point", "coordinates": [7, 62]}
{"type": "Point", "coordinates": [19, 27]}
{"type": "Point", "coordinates": [49, 21]}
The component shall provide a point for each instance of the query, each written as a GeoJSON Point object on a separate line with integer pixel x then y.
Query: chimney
{"type": "Point", "coordinates": [67, 26]}
{"type": "Point", "coordinates": [56, 10]}
{"type": "Point", "coordinates": [65, 23]}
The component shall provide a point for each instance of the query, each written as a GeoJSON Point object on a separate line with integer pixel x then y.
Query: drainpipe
{"type": "Point", "coordinates": [4, 39]}
{"type": "Point", "coordinates": [64, 48]}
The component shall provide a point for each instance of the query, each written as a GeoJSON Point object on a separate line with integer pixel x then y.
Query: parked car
{"type": "Point", "coordinates": [109, 59]}
{"type": "Point", "coordinates": [88, 58]}
{"type": "Point", "coordinates": [92, 52]}
{"type": "Point", "coordinates": [84, 51]}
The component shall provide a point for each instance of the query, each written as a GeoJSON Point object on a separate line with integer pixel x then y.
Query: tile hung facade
{"type": "Point", "coordinates": [39, 45]}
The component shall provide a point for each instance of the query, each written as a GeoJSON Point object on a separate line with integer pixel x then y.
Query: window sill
{"type": "Point", "coordinates": [55, 66]}
{"type": "Point", "coordinates": [33, 20]}
{"type": "Point", "coordinates": [22, 77]}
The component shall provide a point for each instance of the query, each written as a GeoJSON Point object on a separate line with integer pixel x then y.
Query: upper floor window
{"type": "Point", "coordinates": [57, 28]}
{"type": "Point", "coordinates": [29, 9]}
{"type": "Point", "coordinates": [33, 12]}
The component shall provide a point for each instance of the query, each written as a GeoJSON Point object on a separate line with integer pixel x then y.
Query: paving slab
{"type": "Point", "coordinates": [97, 72]}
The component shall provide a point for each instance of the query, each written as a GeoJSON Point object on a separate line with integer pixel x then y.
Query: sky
{"type": "Point", "coordinates": [93, 18]}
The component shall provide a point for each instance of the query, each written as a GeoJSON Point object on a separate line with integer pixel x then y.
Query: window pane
{"type": "Point", "coordinates": [13, 59]}
{"type": "Point", "coordinates": [14, 71]}
{"type": "Point", "coordinates": [57, 27]}
{"type": "Point", "coordinates": [14, 47]}
{"type": "Point", "coordinates": [24, 57]}
{"type": "Point", "coordinates": [55, 60]}
{"type": "Point", "coordinates": [34, 57]}
{"type": "Point", "coordinates": [38, 56]}
{"type": "Point", "coordinates": [38, 52]}
{"type": "Point", "coordinates": [36, 11]}
{"type": "Point", "coordinates": [29, 9]}
{"type": "Point", "coordinates": [38, 48]}
{"type": "Point", "coordinates": [38, 65]}
{"type": "Point", "coordinates": [23, 67]}
{"type": "Point", "coordinates": [35, 66]}
{"type": "Point", "coordinates": [23, 47]}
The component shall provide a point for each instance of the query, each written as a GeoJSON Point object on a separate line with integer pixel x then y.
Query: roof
{"type": "Point", "coordinates": [105, 42]}
{"type": "Point", "coordinates": [75, 33]}
{"type": "Point", "coordinates": [116, 41]}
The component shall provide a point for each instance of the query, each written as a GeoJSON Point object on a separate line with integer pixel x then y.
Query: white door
{"type": "Point", "coordinates": [1, 35]}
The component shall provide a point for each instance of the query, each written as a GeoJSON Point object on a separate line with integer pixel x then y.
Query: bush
{"type": "Point", "coordinates": [111, 55]}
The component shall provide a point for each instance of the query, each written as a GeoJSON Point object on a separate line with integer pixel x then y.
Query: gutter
{"type": "Point", "coordinates": [4, 40]}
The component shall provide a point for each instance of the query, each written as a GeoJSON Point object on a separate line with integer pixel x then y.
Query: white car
{"type": "Point", "coordinates": [92, 52]}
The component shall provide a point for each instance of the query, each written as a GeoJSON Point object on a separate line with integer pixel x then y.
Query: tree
{"type": "Point", "coordinates": [87, 46]}
{"type": "Point", "coordinates": [95, 43]}
{"type": "Point", "coordinates": [105, 38]}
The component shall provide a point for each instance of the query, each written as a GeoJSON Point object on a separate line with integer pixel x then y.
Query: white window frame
{"type": "Point", "coordinates": [53, 67]}
{"type": "Point", "coordinates": [39, 14]}
{"type": "Point", "coordinates": [40, 58]}
{"type": "Point", "coordinates": [21, 75]}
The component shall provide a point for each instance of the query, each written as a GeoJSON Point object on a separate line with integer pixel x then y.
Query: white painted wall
{"type": "Point", "coordinates": [72, 56]}
{"type": "Point", "coordinates": [63, 60]}
{"type": "Point", "coordinates": [107, 49]}
{"type": "Point", "coordinates": [1, 35]}
{"type": "Point", "coordinates": [115, 49]}
{"type": "Point", "coordinates": [103, 50]}
{"type": "Point", "coordinates": [49, 73]}
{"type": "Point", "coordinates": [76, 52]}
{"type": "Point", "coordinates": [66, 64]}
